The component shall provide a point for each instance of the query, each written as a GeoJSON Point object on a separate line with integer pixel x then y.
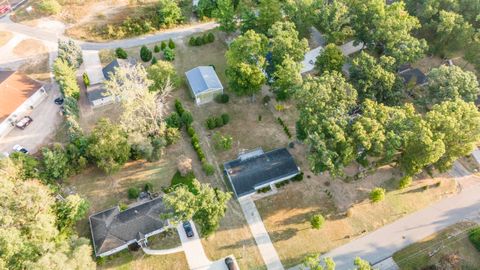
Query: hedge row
{"type": "Point", "coordinates": [208, 168]}
{"type": "Point", "coordinates": [217, 121]}
{"type": "Point", "coordinates": [201, 40]}
{"type": "Point", "coordinates": [285, 128]}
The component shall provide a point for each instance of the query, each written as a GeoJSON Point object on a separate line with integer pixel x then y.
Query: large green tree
{"type": "Point", "coordinates": [246, 63]}
{"type": "Point", "coordinates": [451, 82]}
{"type": "Point", "coordinates": [287, 78]}
{"type": "Point", "coordinates": [334, 21]}
{"type": "Point", "coordinates": [163, 75]}
{"type": "Point", "coordinates": [452, 33]}
{"type": "Point", "coordinates": [284, 41]}
{"type": "Point", "coordinates": [269, 12]}
{"type": "Point", "coordinates": [169, 13]}
{"type": "Point", "coordinates": [330, 59]}
{"type": "Point", "coordinates": [55, 163]}
{"type": "Point", "coordinates": [206, 8]}
{"type": "Point", "coordinates": [302, 14]}
{"type": "Point", "coordinates": [225, 14]}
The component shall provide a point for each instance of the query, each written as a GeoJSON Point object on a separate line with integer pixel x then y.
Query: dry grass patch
{"type": "Point", "coordinates": [165, 240]}
{"type": "Point", "coordinates": [38, 68]}
{"type": "Point", "coordinates": [30, 47]}
{"type": "Point", "coordinates": [429, 251]}
{"type": "Point", "coordinates": [5, 37]}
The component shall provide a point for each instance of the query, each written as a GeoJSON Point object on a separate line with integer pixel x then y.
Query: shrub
{"type": "Point", "coordinates": [148, 187]}
{"type": "Point", "coordinates": [199, 41]}
{"type": "Point", "coordinates": [174, 120]}
{"type": "Point", "coordinates": [121, 53]}
{"type": "Point", "coordinates": [123, 206]}
{"type": "Point", "coordinates": [225, 118]}
{"type": "Point", "coordinates": [192, 41]}
{"type": "Point", "coordinates": [285, 128]}
{"type": "Point", "coordinates": [49, 7]}
{"type": "Point", "coordinates": [223, 98]}
{"type": "Point", "coordinates": [163, 45]}
{"type": "Point", "coordinates": [282, 183]}
{"type": "Point", "coordinates": [133, 193]}
{"type": "Point", "coordinates": [191, 131]}
{"type": "Point", "coordinates": [474, 237]}
{"type": "Point", "coordinates": [266, 99]}
{"type": "Point", "coordinates": [264, 189]}
{"type": "Point", "coordinates": [156, 49]}
{"type": "Point", "coordinates": [179, 107]}
{"type": "Point", "coordinates": [169, 54]}
{"type": "Point", "coordinates": [222, 142]}
{"type": "Point", "coordinates": [184, 165]}
{"type": "Point", "coordinates": [298, 177]}
{"type": "Point", "coordinates": [317, 221]}
{"type": "Point", "coordinates": [301, 134]}
{"type": "Point", "coordinates": [172, 135]}
{"type": "Point", "coordinates": [171, 44]}
{"type": "Point", "coordinates": [154, 60]}
{"type": "Point", "coordinates": [210, 37]}
{"type": "Point", "coordinates": [208, 168]}
{"type": "Point", "coordinates": [377, 194]}
{"type": "Point", "coordinates": [145, 54]}
{"type": "Point", "coordinates": [405, 182]}
{"type": "Point", "coordinates": [86, 80]}
{"type": "Point", "coordinates": [211, 123]}
{"type": "Point", "coordinates": [187, 118]}
{"type": "Point", "coordinates": [219, 121]}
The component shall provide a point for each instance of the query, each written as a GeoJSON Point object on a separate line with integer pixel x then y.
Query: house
{"type": "Point", "coordinates": [204, 84]}
{"type": "Point", "coordinates": [19, 94]}
{"type": "Point", "coordinates": [114, 230]}
{"type": "Point", "coordinates": [412, 76]}
{"type": "Point", "coordinates": [256, 169]}
{"type": "Point", "coordinates": [96, 93]}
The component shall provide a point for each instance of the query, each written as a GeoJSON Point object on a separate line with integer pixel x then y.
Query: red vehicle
{"type": "Point", "coordinates": [5, 9]}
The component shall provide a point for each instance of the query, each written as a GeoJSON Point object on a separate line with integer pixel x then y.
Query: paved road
{"type": "Point", "coordinates": [53, 36]}
{"type": "Point", "coordinates": [267, 250]}
{"type": "Point", "coordinates": [382, 243]}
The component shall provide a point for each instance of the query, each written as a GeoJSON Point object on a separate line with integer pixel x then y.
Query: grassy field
{"type": "Point", "coordinates": [431, 250]}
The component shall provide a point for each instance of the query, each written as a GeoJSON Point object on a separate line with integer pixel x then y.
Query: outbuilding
{"type": "Point", "coordinates": [204, 84]}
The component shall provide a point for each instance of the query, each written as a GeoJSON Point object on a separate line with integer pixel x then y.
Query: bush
{"type": "Point", "coordinates": [223, 98]}
{"type": "Point", "coordinates": [301, 134]}
{"type": "Point", "coordinates": [184, 165]}
{"type": "Point", "coordinates": [266, 99]}
{"type": "Point", "coordinates": [377, 194]}
{"type": "Point", "coordinates": [202, 40]}
{"type": "Point", "coordinates": [208, 168]}
{"type": "Point", "coordinates": [49, 7]}
{"type": "Point", "coordinates": [174, 120]}
{"type": "Point", "coordinates": [317, 221]}
{"type": "Point", "coordinates": [191, 131]}
{"type": "Point", "coordinates": [163, 45]}
{"type": "Point", "coordinates": [264, 189]}
{"type": "Point", "coordinates": [145, 54]}
{"type": "Point", "coordinates": [405, 182]}
{"type": "Point", "coordinates": [156, 49]}
{"type": "Point", "coordinates": [133, 193]}
{"type": "Point", "coordinates": [187, 118]}
{"type": "Point", "coordinates": [219, 121]}
{"type": "Point", "coordinates": [121, 53]}
{"type": "Point", "coordinates": [222, 142]}
{"type": "Point", "coordinates": [474, 237]}
{"type": "Point", "coordinates": [192, 41]}
{"type": "Point", "coordinates": [148, 187]}
{"type": "Point", "coordinates": [225, 118]}
{"type": "Point", "coordinates": [281, 184]}
{"type": "Point", "coordinates": [210, 37]}
{"type": "Point", "coordinates": [169, 54]}
{"type": "Point", "coordinates": [199, 41]}
{"type": "Point", "coordinates": [179, 107]}
{"type": "Point", "coordinates": [123, 206]}
{"type": "Point", "coordinates": [171, 44]}
{"type": "Point", "coordinates": [211, 123]}
{"type": "Point", "coordinates": [172, 135]}
{"type": "Point", "coordinates": [298, 177]}
{"type": "Point", "coordinates": [86, 80]}
{"type": "Point", "coordinates": [154, 60]}
{"type": "Point", "coordinates": [285, 128]}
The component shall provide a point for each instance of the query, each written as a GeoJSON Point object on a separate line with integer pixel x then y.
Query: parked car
{"type": "Point", "coordinates": [58, 101]}
{"type": "Point", "coordinates": [188, 228]}
{"type": "Point", "coordinates": [24, 122]}
{"type": "Point", "coordinates": [230, 263]}
{"type": "Point", "coordinates": [4, 9]}
{"type": "Point", "coordinates": [19, 148]}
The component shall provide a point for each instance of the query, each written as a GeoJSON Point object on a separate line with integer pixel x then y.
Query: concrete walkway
{"type": "Point", "coordinates": [162, 251]}
{"type": "Point", "coordinates": [384, 242]}
{"type": "Point", "coordinates": [268, 252]}
{"type": "Point", "coordinates": [93, 66]}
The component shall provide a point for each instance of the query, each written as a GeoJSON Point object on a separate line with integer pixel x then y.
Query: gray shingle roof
{"type": "Point", "coordinates": [202, 79]}
{"type": "Point", "coordinates": [262, 168]}
{"type": "Point", "coordinates": [110, 68]}
{"type": "Point", "coordinates": [413, 74]}
{"type": "Point", "coordinates": [96, 91]}
{"type": "Point", "coordinates": [112, 229]}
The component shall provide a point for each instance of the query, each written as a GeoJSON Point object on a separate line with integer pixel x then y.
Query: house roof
{"type": "Point", "coordinates": [416, 74]}
{"type": "Point", "coordinates": [15, 88]}
{"type": "Point", "coordinates": [256, 168]}
{"type": "Point", "coordinates": [202, 79]}
{"type": "Point", "coordinates": [112, 229]}
{"type": "Point", "coordinates": [96, 91]}
{"type": "Point", "coordinates": [110, 68]}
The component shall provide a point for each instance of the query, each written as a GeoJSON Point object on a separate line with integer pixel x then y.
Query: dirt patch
{"type": "Point", "coordinates": [5, 37]}
{"type": "Point", "coordinates": [38, 68]}
{"type": "Point", "coordinates": [29, 47]}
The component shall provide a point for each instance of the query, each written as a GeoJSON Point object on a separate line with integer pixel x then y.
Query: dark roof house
{"type": "Point", "coordinates": [110, 68]}
{"type": "Point", "coordinates": [114, 230]}
{"type": "Point", "coordinates": [204, 84]}
{"type": "Point", "coordinates": [256, 169]}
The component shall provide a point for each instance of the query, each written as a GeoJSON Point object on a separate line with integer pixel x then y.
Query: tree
{"type": "Point", "coordinates": [287, 78]}
{"type": "Point", "coordinates": [330, 59]}
{"type": "Point", "coordinates": [206, 8]}
{"type": "Point", "coordinates": [284, 42]}
{"type": "Point", "coordinates": [313, 262]}
{"type": "Point", "coordinates": [269, 12]}
{"type": "Point", "coordinates": [207, 206]}
{"type": "Point", "coordinates": [70, 52]}
{"type": "Point", "coordinates": [376, 80]}
{"type": "Point", "coordinates": [49, 7]}
{"type": "Point", "coordinates": [169, 13]}
{"type": "Point", "coordinates": [121, 53]}
{"type": "Point", "coordinates": [108, 146]}
{"type": "Point", "coordinates": [453, 33]}
{"type": "Point", "coordinates": [225, 14]}
{"type": "Point", "coordinates": [317, 221]}
{"type": "Point", "coordinates": [457, 124]}
{"type": "Point", "coordinates": [362, 264]}
{"type": "Point", "coordinates": [171, 44]}
{"type": "Point", "coordinates": [245, 74]}
{"type": "Point", "coordinates": [324, 103]}
{"type": "Point", "coordinates": [28, 234]}
{"type": "Point", "coordinates": [145, 54]}
{"type": "Point", "coordinates": [55, 163]}
{"type": "Point", "coordinates": [334, 21]}
{"type": "Point", "coordinates": [184, 165]}
{"type": "Point", "coordinates": [377, 194]}
{"type": "Point", "coordinates": [66, 77]}
{"type": "Point", "coordinates": [69, 211]}
{"type": "Point", "coordinates": [163, 75]}
{"type": "Point", "coordinates": [169, 54]}
{"type": "Point", "coordinates": [302, 14]}
{"type": "Point", "coordinates": [222, 142]}
{"type": "Point", "coordinates": [451, 82]}
{"type": "Point", "coordinates": [27, 165]}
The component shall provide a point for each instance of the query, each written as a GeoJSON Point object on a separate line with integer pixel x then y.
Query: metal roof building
{"type": "Point", "coordinates": [204, 84]}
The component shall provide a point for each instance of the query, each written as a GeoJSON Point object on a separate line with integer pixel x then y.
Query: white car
{"type": "Point", "coordinates": [5, 154]}
{"type": "Point", "coordinates": [19, 148]}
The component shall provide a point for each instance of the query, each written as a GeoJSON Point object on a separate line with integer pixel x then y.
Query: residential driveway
{"type": "Point", "coordinates": [196, 257]}
{"type": "Point", "coordinates": [381, 244]}
{"type": "Point", "coordinates": [268, 252]}
{"type": "Point", "coordinates": [46, 118]}
{"type": "Point", "coordinates": [93, 66]}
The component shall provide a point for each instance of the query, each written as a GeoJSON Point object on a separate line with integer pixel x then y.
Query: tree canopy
{"type": "Point", "coordinates": [330, 59]}
{"type": "Point", "coordinates": [284, 42]}
{"type": "Point", "coordinates": [334, 20]}
{"type": "Point", "coordinates": [451, 82]}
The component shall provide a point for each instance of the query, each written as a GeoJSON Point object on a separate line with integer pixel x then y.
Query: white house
{"type": "Point", "coordinates": [204, 84]}
{"type": "Point", "coordinates": [19, 94]}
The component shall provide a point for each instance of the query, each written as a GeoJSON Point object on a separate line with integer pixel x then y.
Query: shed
{"type": "Point", "coordinates": [204, 84]}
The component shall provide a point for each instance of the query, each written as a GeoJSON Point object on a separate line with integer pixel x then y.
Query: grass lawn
{"type": "Point", "coordinates": [186, 180]}
{"type": "Point", "coordinates": [429, 251]}
{"type": "Point", "coordinates": [126, 260]}
{"type": "Point", "coordinates": [165, 240]}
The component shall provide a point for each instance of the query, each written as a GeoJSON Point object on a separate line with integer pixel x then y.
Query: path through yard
{"type": "Point", "coordinates": [268, 252]}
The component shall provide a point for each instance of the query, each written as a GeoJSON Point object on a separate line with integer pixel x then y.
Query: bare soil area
{"type": "Point", "coordinates": [30, 47]}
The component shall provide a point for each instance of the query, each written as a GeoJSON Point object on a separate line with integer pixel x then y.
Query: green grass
{"type": "Point", "coordinates": [186, 180]}
{"type": "Point", "coordinates": [474, 236]}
